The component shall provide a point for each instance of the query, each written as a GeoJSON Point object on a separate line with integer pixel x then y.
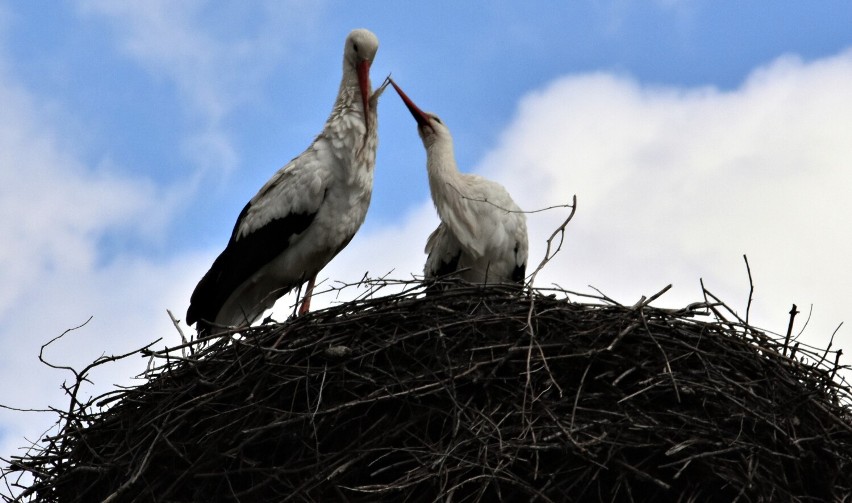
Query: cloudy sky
{"type": "Point", "coordinates": [691, 131]}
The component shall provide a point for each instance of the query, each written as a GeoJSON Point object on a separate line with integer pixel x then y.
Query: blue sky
{"type": "Point", "coordinates": [474, 60]}
{"type": "Point", "coordinates": [691, 131]}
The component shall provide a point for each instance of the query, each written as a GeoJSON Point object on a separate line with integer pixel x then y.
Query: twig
{"type": "Point", "coordinates": [176, 323]}
{"type": "Point", "coordinates": [793, 313]}
{"type": "Point", "coordinates": [750, 288]}
{"type": "Point", "coordinates": [560, 231]}
{"type": "Point", "coordinates": [525, 212]}
{"type": "Point", "coordinates": [644, 302]}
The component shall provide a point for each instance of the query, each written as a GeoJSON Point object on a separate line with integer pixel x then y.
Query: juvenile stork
{"type": "Point", "coordinates": [305, 214]}
{"type": "Point", "coordinates": [483, 233]}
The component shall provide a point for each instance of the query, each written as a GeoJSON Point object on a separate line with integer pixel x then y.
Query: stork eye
{"type": "Point", "coordinates": [437, 120]}
{"type": "Point", "coordinates": [355, 46]}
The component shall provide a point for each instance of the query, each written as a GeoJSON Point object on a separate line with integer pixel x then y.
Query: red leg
{"type": "Point", "coordinates": [306, 300]}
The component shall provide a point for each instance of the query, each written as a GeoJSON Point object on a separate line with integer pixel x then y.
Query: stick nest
{"type": "Point", "coordinates": [465, 394]}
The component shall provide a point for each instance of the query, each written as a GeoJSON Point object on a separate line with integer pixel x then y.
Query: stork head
{"type": "Point", "coordinates": [358, 54]}
{"type": "Point", "coordinates": [429, 126]}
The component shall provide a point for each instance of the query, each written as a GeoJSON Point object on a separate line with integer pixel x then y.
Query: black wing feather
{"type": "Point", "coordinates": [520, 270]}
{"type": "Point", "coordinates": [519, 273]}
{"type": "Point", "coordinates": [240, 259]}
{"type": "Point", "coordinates": [447, 267]}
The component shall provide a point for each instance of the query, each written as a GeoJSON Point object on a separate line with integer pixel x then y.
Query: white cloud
{"type": "Point", "coordinates": [677, 184]}
{"type": "Point", "coordinates": [57, 207]}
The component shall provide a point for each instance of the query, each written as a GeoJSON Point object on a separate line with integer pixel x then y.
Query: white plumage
{"type": "Point", "coordinates": [305, 214]}
{"type": "Point", "coordinates": [483, 233]}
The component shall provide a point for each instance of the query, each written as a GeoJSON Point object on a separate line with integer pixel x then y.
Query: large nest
{"type": "Point", "coordinates": [466, 394]}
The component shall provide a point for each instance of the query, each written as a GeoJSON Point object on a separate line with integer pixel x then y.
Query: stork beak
{"type": "Point", "coordinates": [363, 70]}
{"type": "Point", "coordinates": [421, 117]}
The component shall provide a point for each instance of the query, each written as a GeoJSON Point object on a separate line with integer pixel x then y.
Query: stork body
{"type": "Point", "coordinates": [305, 214]}
{"type": "Point", "coordinates": [483, 233]}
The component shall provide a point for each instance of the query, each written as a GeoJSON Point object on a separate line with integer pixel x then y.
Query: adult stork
{"type": "Point", "coordinates": [483, 233]}
{"type": "Point", "coordinates": [305, 214]}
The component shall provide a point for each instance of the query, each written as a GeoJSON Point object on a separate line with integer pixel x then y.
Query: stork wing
{"type": "Point", "coordinates": [443, 253]}
{"type": "Point", "coordinates": [271, 222]}
{"type": "Point", "coordinates": [480, 215]}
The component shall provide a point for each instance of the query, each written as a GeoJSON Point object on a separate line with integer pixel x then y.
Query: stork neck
{"type": "Point", "coordinates": [444, 176]}
{"type": "Point", "coordinates": [344, 137]}
{"type": "Point", "coordinates": [349, 101]}
{"type": "Point", "coordinates": [349, 90]}
{"type": "Point", "coordinates": [350, 77]}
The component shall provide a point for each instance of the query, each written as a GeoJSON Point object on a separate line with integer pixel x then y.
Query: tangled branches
{"type": "Point", "coordinates": [466, 394]}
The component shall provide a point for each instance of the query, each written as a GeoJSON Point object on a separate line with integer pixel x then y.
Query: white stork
{"type": "Point", "coordinates": [483, 233]}
{"type": "Point", "coordinates": [305, 214]}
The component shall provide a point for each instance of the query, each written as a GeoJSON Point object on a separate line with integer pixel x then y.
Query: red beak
{"type": "Point", "coordinates": [363, 70]}
{"type": "Point", "coordinates": [420, 116]}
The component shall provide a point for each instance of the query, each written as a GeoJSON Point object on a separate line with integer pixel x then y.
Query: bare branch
{"type": "Point", "coordinates": [549, 254]}
{"type": "Point", "coordinates": [793, 313]}
{"type": "Point", "coordinates": [750, 288]}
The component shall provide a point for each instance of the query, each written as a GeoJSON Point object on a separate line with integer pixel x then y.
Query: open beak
{"type": "Point", "coordinates": [420, 116]}
{"type": "Point", "coordinates": [363, 70]}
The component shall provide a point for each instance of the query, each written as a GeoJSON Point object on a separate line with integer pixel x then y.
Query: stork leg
{"type": "Point", "coordinates": [306, 300]}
